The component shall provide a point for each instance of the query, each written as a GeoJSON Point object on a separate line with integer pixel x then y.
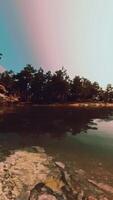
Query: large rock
{"type": "Point", "coordinates": [3, 89]}
{"type": "Point", "coordinates": [33, 175]}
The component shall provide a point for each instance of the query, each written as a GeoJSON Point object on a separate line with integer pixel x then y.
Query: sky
{"type": "Point", "coordinates": [76, 34]}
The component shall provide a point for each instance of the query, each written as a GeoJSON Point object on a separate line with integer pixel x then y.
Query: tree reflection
{"type": "Point", "coordinates": [49, 120]}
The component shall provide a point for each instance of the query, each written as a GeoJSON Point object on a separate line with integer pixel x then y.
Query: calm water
{"type": "Point", "coordinates": [81, 138]}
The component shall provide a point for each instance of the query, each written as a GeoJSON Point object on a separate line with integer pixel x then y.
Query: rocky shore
{"type": "Point", "coordinates": [31, 174]}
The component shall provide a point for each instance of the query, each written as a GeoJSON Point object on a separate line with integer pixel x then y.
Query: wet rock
{"type": "Point", "coordinates": [20, 173]}
{"type": "Point", "coordinates": [60, 164]}
{"type": "Point", "coordinates": [103, 198]}
{"type": "Point", "coordinates": [80, 195]}
{"type": "Point", "coordinates": [100, 164]}
{"type": "Point", "coordinates": [55, 183]}
{"type": "Point", "coordinates": [92, 198]}
{"type": "Point", "coordinates": [80, 172]}
{"type": "Point", "coordinates": [43, 192]}
{"type": "Point", "coordinates": [38, 149]}
{"type": "Point", "coordinates": [46, 197]}
{"type": "Point", "coordinates": [102, 186]}
{"type": "Point", "coordinates": [32, 175]}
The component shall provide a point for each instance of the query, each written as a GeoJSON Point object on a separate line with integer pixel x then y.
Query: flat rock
{"type": "Point", "coordinates": [60, 164]}
{"type": "Point", "coordinates": [20, 172]}
{"type": "Point", "coordinates": [32, 175]}
{"type": "Point", "coordinates": [102, 186]}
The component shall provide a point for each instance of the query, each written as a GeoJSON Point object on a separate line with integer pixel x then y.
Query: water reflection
{"type": "Point", "coordinates": [55, 122]}
{"type": "Point", "coordinates": [55, 129]}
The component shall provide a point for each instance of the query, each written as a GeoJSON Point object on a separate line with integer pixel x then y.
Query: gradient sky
{"type": "Point", "coordinates": [76, 34]}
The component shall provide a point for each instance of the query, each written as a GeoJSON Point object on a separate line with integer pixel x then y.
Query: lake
{"type": "Point", "coordinates": [81, 138]}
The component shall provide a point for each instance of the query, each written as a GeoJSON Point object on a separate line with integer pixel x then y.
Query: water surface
{"type": "Point", "coordinates": [82, 138]}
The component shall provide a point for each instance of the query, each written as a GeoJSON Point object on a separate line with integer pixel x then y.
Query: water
{"type": "Point", "coordinates": [81, 138]}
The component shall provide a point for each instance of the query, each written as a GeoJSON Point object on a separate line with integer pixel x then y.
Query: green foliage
{"type": "Point", "coordinates": [23, 82]}
{"type": "Point", "coordinates": [37, 86]}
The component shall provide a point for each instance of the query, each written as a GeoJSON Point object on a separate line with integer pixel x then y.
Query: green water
{"type": "Point", "coordinates": [81, 138]}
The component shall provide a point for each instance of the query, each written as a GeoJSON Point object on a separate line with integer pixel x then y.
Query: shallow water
{"type": "Point", "coordinates": [81, 138]}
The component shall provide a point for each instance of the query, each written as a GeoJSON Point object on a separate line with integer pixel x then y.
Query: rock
{"type": "Point", "coordinates": [32, 175]}
{"type": "Point", "coordinates": [92, 198]}
{"type": "Point", "coordinates": [103, 198]}
{"type": "Point", "coordinates": [66, 178]}
{"type": "Point", "coordinates": [100, 164]}
{"type": "Point", "coordinates": [5, 98]}
{"type": "Point", "coordinates": [102, 186]}
{"type": "Point", "coordinates": [46, 197]}
{"type": "Point", "coordinates": [3, 89]}
{"type": "Point", "coordinates": [60, 164]}
{"type": "Point", "coordinates": [43, 192]}
{"type": "Point", "coordinates": [38, 149]}
{"type": "Point", "coordinates": [80, 195]}
{"type": "Point", "coordinates": [54, 183]}
{"type": "Point", "coordinates": [18, 178]}
{"type": "Point", "coordinates": [80, 172]}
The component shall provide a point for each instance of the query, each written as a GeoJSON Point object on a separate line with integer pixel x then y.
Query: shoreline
{"type": "Point", "coordinates": [91, 105]}
{"type": "Point", "coordinates": [70, 105]}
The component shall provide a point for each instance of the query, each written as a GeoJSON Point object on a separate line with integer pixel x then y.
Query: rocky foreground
{"type": "Point", "coordinates": [32, 175]}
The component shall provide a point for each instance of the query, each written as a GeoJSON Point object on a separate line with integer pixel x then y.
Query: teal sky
{"type": "Point", "coordinates": [76, 34]}
{"type": "Point", "coordinates": [13, 43]}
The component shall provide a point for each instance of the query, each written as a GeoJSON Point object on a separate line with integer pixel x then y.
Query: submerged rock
{"type": "Point", "coordinates": [92, 198]}
{"type": "Point", "coordinates": [38, 149]}
{"type": "Point", "coordinates": [102, 186]}
{"type": "Point", "coordinates": [32, 175]}
{"type": "Point", "coordinates": [80, 172]}
{"type": "Point", "coordinates": [80, 195]}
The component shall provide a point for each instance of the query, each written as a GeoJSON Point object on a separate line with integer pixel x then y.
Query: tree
{"type": "Point", "coordinates": [75, 91]}
{"type": "Point", "coordinates": [37, 87]}
{"type": "Point", "coordinates": [59, 86]}
{"type": "Point", "coordinates": [86, 89]}
{"type": "Point", "coordinates": [95, 91]}
{"type": "Point", "coordinates": [40, 87]}
{"type": "Point", "coordinates": [48, 87]}
{"type": "Point", "coordinates": [108, 95]}
{"type": "Point", "coordinates": [23, 82]}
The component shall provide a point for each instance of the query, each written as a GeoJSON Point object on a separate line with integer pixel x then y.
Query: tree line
{"type": "Point", "coordinates": [38, 86]}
